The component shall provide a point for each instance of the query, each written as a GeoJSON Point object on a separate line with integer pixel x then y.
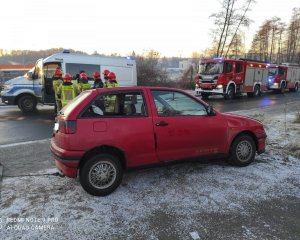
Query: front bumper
{"type": "Point", "coordinates": [212, 91]}
{"type": "Point", "coordinates": [9, 100]}
{"type": "Point", "coordinates": [261, 144]}
{"type": "Point", "coordinates": [66, 161]}
{"type": "Point", "coordinates": [274, 86]}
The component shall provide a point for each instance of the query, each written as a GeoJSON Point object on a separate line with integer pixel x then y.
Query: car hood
{"type": "Point", "coordinates": [239, 121]}
{"type": "Point", "coordinates": [16, 80]}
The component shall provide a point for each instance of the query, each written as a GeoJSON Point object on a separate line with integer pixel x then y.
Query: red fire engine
{"type": "Point", "coordinates": [229, 77]}
{"type": "Point", "coordinates": [284, 76]}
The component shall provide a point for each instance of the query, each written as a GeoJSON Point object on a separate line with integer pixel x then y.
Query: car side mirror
{"type": "Point", "coordinates": [29, 75]}
{"type": "Point", "coordinates": [210, 110]}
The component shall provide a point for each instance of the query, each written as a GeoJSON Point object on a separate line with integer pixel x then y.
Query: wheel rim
{"type": "Point", "coordinates": [102, 175]}
{"type": "Point", "coordinates": [244, 151]}
{"type": "Point", "coordinates": [28, 104]}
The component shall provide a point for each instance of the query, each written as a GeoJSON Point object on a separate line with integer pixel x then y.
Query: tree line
{"type": "Point", "coordinates": [274, 41]}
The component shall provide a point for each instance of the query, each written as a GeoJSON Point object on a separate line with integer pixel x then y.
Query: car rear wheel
{"type": "Point", "coordinates": [242, 151]}
{"type": "Point", "coordinates": [101, 174]}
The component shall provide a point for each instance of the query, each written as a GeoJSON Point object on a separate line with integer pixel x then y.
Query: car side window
{"type": "Point", "coordinates": [238, 67]}
{"type": "Point", "coordinates": [128, 104]}
{"type": "Point", "coordinates": [228, 67]}
{"type": "Point", "coordinates": [172, 103]}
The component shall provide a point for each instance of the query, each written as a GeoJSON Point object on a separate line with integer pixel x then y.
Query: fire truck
{"type": "Point", "coordinates": [284, 76]}
{"type": "Point", "coordinates": [229, 77]}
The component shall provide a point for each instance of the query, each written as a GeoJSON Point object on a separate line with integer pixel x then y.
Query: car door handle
{"type": "Point", "coordinates": [161, 124]}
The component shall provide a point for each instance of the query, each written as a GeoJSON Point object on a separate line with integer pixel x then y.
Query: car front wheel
{"type": "Point", "coordinates": [27, 103]}
{"type": "Point", "coordinates": [101, 174]}
{"type": "Point", "coordinates": [242, 151]}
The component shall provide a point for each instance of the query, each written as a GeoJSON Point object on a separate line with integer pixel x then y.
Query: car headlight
{"type": "Point", "coordinates": [275, 84]}
{"type": "Point", "coordinates": [219, 86]}
{"type": "Point", "coordinates": [7, 87]}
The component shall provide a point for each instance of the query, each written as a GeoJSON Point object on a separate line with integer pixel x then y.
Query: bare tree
{"type": "Point", "coordinates": [293, 35]}
{"type": "Point", "coordinates": [243, 20]}
{"type": "Point", "coordinates": [228, 22]}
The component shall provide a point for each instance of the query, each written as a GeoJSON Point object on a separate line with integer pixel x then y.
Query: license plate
{"type": "Point", "coordinates": [56, 126]}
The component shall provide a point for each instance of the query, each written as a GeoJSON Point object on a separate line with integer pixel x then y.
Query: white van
{"type": "Point", "coordinates": [36, 85]}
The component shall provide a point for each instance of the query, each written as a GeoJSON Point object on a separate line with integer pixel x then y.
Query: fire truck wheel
{"type": "Point", "coordinates": [242, 151]}
{"type": "Point", "coordinates": [230, 93]}
{"type": "Point", "coordinates": [295, 89]}
{"type": "Point", "coordinates": [257, 91]}
{"type": "Point", "coordinates": [282, 87]}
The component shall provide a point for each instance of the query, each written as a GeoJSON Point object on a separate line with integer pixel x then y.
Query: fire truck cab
{"type": "Point", "coordinates": [284, 76]}
{"type": "Point", "coordinates": [229, 77]}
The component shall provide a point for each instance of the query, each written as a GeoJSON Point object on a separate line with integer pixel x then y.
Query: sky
{"type": "Point", "coordinates": [173, 28]}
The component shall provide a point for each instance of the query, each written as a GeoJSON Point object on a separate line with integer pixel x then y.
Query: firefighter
{"type": "Point", "coordinates": [105, 74]}
{"type": "Point", "coordinates": [97, 81]}
{"type": "Point", "coordinates": [66, 90]}
{"type": "Point", "coordinates": [112, 81]}
{"type": "Point", "coordinates": [83, 79]}
{"type": "Point", "coordinates": [82, 83]}
{"type": "Point", "coordinates": [111, 100]}
{"type": "Point", "coordinates": [57, 81]}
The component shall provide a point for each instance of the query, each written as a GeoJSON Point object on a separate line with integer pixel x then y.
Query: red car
{"type": "Point", "coordinates": [103, 132]}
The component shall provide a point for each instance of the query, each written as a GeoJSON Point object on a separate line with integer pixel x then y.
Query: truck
{"type": "Point", "coordinates": [36, 85]}
{"type": "Point", "coordinates": [230, 77]}
{"type": "Point", "coordinates": [283, 76]}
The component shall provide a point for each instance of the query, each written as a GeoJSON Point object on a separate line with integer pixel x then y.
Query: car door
{"type": "Point", "coordinates": [120, 119]}
{"type": "Point", "coordinates": [183, 128]}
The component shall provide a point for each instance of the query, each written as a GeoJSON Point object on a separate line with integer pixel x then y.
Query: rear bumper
{"type": "Point", "coordinates": [65, 160]}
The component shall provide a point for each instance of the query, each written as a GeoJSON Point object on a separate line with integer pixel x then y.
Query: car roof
{"type": "Point", "coordinates": [139, 88]}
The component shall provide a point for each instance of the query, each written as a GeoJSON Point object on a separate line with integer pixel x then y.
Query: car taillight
{"type": "Point", "coordinates": [67, 126]}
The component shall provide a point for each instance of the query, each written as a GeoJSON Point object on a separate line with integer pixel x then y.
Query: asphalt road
{"type": "Point", "coordinates": [16, 127]}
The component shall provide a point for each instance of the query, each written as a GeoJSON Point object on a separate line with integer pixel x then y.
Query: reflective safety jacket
{"type": "Point", "coordinates": [112, 85]}
{"type": "Point", "coordinates": [56, 84]}
{"type": "Point", "coordinates": [67, 94]}
{"type": "Point", "coordinates": [85, 86]}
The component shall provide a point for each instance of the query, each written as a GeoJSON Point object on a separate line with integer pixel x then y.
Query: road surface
{"type": "Point", "coordinates": [17, 127]}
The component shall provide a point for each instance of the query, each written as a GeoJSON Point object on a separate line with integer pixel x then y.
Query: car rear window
{"type": "Point", "coordinates": [74, 103]}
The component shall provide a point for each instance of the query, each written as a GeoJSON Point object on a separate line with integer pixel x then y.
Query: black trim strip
{"type": "Point", "coordinates": [69, 158]}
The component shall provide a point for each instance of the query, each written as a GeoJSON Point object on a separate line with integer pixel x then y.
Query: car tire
{"type": "Point", "coordinates": [230, 93]}
{"type": "Point", "coordinates": [242, 151]}
{"type": "Point", "coordinates": [27, 103]}
{"type": "Point", "coordinates": [101, 174]}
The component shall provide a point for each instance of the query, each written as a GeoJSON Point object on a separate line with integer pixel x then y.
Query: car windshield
{"type": "Point", "coordinates": [74, 103]}
{"type": "Point", "coordinates": [273, 71]}
{"type": "Point", "coordinates": [210, 68]}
